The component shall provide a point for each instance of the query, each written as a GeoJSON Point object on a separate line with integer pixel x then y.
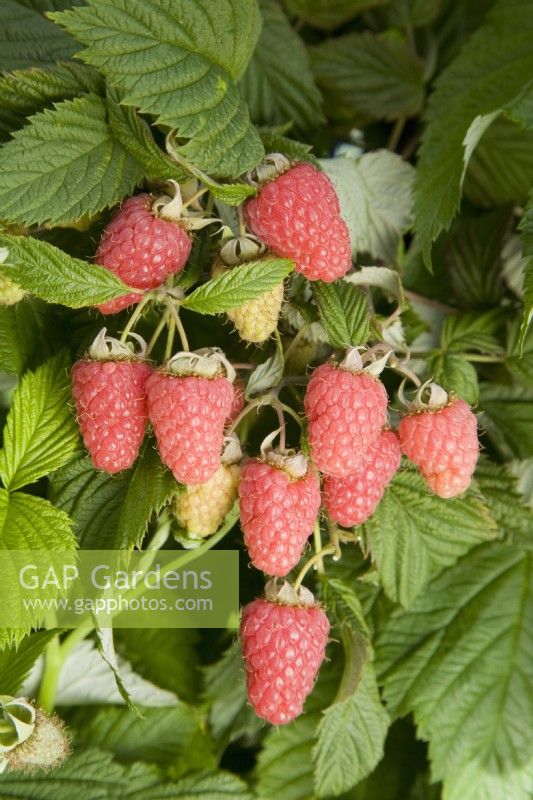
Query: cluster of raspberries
{"type": "Point", "coordinates": [191, 400]}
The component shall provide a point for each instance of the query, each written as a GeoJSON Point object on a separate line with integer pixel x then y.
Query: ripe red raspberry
{"type": "Point", "coordinates": [109, 390]}
{"type": "Point", "coordinates": [346, 411]}
{"type": "Point", "coordinates": [142, 248]}
{"type": "Point", "coordinates": [352, 500]}
{"type": "Point", "coordinates": [238, 400]}
{"type": "Point", "coordinates": [188, 403]}
{"type": "Point", "coordinates": [297, 215]}
{"type": "Point", "coordinates": [283, 647]}
{"type": "Point", "coordinates": [280, 501]}
{"type": "Point", "coordinates": [442, 440]}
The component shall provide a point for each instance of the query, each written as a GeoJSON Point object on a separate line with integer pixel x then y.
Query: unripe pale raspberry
{"type": "Point", "coordinates": [201, 509]}
{"type": "Point", "coordinates": [257, 320]}
{"type": "Point", "coordinates": [352, 500]}
{"type": "Point", "coordinates": [346, 411]}
{"type": "Point", "coordinates": [142, 248]}
{"type": "Point", "coordinates": [110, 397]}
{"type": "Point", "coordinates": [443, 443]}
{"type": "Point", "coordinates": [47, 747]}
{"type": "Point", "coordinates": [278, 511]}
{"type": "Point", "coordinates": [283, 647]}
{"type": "Point", "coordinates": [188, 413]}
{"type": "Point", "coordinates": [10, 293]}
{"type": "Point", "coordinates": [297, 215]}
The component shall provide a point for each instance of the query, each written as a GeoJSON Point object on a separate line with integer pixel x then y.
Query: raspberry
{"type": "Point", "coordinates": [111, 404]}
{"type": "Point", "coordinates": [257, 320]}
{"type": "Point", "coordinates": [142, 248]}
{"type": "Point", "coordinates": [45, 748]}
{"type": "Point", "coordinates": [119, 303]}
{"type": "Point", "coordinates": [352, 500]}
{"type": "Point", "coordinates": [188, 409]}
{"type": "Point", "coordinates": [280, 501]}
{"type": "Point", "coordinates": [201, 509]}
{"type": "Point", "coordinates": [346, 411]}
{"type": "Point", "coordinates": [297, 215]}
{"type": "Point", "coordinates": [283, 647]}
{"type": "Point", "coordinates": [443, 442]}
{"type": "Point", "coordinates": [10, 293]}
{"type": "Point", "coordinates": [238, 400]}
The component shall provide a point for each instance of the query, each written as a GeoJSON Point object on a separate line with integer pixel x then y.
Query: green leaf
{"type": "Point", "coordinates": [373, 75]}
{"type": "Point", "coordinates": [16, 663]}
{"type": "Point", "coordinates": [106, 681]}
{"type": "Point", "coordinates": [459, 659]}
{"type": "Point", "coordinates": [285, 762]}
{"type": "Point", "coordinates": [278, 84]}
{"type": "Point", "coordinates": [343, 311]}
{"type": "Point", "coordinates": [526, 226]}
{"type": "Point", "coordinates": [351, 737]}
{"type": "Point", "coordinates": [266, 375]}
{"type": "Point", "coordinates": [41, 433]}
{"type": "Point", "coordinates": [65, 164]}
{"type": "Point", "coordinates": [519, 359]}
{"type": "Point", "coordinates": [84, 775]}
{"type": "Point", "coordinates": [52, 275]}
{"type": "Point", "coordinates": [473, 254]}
{"type": "Point", "coordinates": [225, 692]}
{"type": "Point", "coordinates": [29, 522]}
{"type": "Point", "coordinates": [201, 786]}
{"type": "Point", "coordinates": [93, 775]}
{"type": "Point", "coordinates": [413, 535]}
{"type": "Point", "coordinates": [507, 505]}
{"type": "Point", "coordinates": [472, 331]}
{"type": "Point", "coordinates": [150, 486]}
{"type": "Point", "coordinates": [238, 286]}
{"type": "Point", "coordinates": [500, 169]}
{"type": "Point", "coordinates": [376, 201]}
{"type": "Point", "coordinates": [27, 38]}
{"type": "Point", "coordinates": [388, 280]}
{"type": "Point", "coordinates": [483, 77]}
{"type": "Point", "coordinates": [25, 334]}
{"type": "Point", "coordinates": [184, 74]}
{"type": "Point", "coordinates": [166, 657]}
{"type": "Point", "coordinates": [231, 193]}
{"type": "Point", "coordinates": [477, 782]}
{"type": "Point", "coordinates": [455, 374]}
{"type": "Point", "coordinates": [168, 737]}
{"type": "Point", "coordinates": [344, 607]}
{"type": "Point", "coordinates": [416, 13]}
{"type": "Point", "coordinates": [92, 499]}
{"type": "Point", "coordinates": [351, 733]}
{"type": "Point", "coordinates": [135, 136]}
{"type": "Point", "coordinates": [508, 418]}
{"type": "Point", "coordinates": [24, 92]}
{"type": "Point", "coordinates": [329, 13]}
{"type": "Point", "coordinates": [274, 142]}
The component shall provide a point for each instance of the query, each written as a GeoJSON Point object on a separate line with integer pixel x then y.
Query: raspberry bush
{"type": "Point", "coordinates": [266, 279]}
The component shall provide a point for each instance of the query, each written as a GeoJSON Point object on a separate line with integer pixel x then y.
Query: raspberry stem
{"type": "Point", "coordinates": [156, 334]}
{"type": "Point", "coordinates": [170, 336]}
{"type": "Point", "coordinates": [238, 419]}
{"type": "Point", "coordinates": [242, 222]}
{"type": "Point", "coordinates": [328, 550]}
{"type": "Point", "coordinates": [194, 197]}
{"type": "Point", "coordinates": [179, 325]}
{"type": "Point", "coordinates": [135, 317]}
{"type": "Point", "coordinates": [278, 407]}
{"type": "Point", "coordinates": [317, 539]}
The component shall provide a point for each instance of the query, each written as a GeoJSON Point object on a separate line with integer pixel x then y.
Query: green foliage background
{"type": "Point", "coordinates": [421, 113]}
